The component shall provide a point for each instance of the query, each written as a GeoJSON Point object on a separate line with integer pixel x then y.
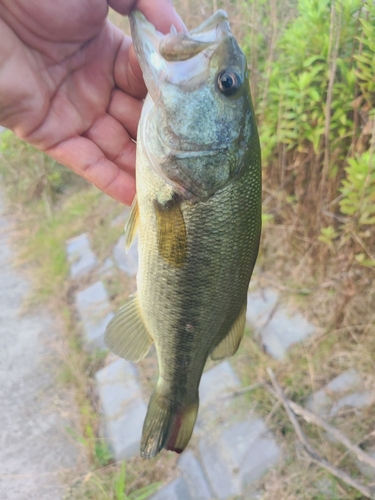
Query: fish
{"type": "Point", "coordinates": [197, 213]}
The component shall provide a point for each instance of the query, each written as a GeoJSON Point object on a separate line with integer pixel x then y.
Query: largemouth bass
{"type": "Point", "coordinates": [198, 212]}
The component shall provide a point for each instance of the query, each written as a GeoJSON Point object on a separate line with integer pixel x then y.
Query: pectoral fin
{"type": "Point", "coordinates": [126, 334]}
{"type": "Point", "coordinates": [229, 345]}
{"type": "Point", "coordinates": [131, 226]}
{"type": "Point", "coordinates": [171, 231]}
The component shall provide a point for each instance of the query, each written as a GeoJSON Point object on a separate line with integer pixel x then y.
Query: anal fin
{"type": "Point", "coordinates": [230, 343]}
{"type": "Point", "coordinates": [126, 334]}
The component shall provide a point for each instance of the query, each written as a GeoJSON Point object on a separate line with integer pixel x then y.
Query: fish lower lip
{"type": "Point", "coordinates": [194, 154]}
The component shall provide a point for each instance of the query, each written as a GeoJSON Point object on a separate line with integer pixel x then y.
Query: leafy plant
{"type": "Point", "coordinates": [358, 203]}
{"type": "Point", "coordinates": [328, 235]}
{"type": "Point", "coordinates": [365, 70]}
{"type": "Point", "coordinates": [358, 190]}
{"type": "Point", "coordinates": [297, 108]}
{"type": "Point", "coordinates": [318, 131]}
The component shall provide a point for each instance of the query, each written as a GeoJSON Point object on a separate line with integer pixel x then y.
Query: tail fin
{"type": "Point", "coordinates": [167, 426]}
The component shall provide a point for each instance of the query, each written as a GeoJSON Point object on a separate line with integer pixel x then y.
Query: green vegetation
{"type": "Point", "coordinates": [110, 483]}
{"type": "Point", "coordinates": [312, 65]}
{"type": "Point", "coordinates": [317, 125]}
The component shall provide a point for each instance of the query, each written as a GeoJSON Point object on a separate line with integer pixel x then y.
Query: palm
{"type": "Point", "coordinates": [78, 88]}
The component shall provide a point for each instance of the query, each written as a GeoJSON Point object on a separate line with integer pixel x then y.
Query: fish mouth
{"type": "Point", "coordinates": [177, 58]}
{"type": "Point", "coordinates": [180, 46]}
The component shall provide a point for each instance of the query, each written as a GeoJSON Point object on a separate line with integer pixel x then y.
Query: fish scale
{"type": "Point", "coordinates": [198, 213]}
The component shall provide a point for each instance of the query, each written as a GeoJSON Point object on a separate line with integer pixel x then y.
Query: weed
{"type": "Point", "coordinates": [109, 484]}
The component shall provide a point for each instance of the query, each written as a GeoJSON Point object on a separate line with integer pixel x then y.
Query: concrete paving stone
{"type": "Point", "coordinates": [282, 331]}
{"type": "Point", "coordinates": [276, 329]}
{"type": "Point", "coordinates": [251, 448]}
{"type": "Point", "coordinates": [260, 305]}
{"type": "Point", "coordinates": [107, 268]}
{"type": "Point", "coordinates": [356, 400]}
{"type": "Point", "coordinates": [118, 385]}
{"type": "Point", "coordinates": [80, 256]}
{"type": "Point", "coordinates": [346, 380]}
{"type": "Point", "coordinates": [328, 402]}
{"type": "Point", "coordinates": [240, 436]}
{"type": "Point", "coordinates": [219, 469]}
{"type": "Point", "coordinates": [123, 407]}
{"type": "Point", "coordinates": [237, 457]}
{"type": "Point", "coordinates": [176, 490]}
{"type": "Point", "coordinates": [272, 345]}
{"type": "Point", "coordinates": [124, 431]}
{"type": "Point", "coordinates": [94, 310]}
{"type": "Point", "coordinates": [327, 488]}
{"type": "Point", "coordinates": [216, 381]}
{"type": "Point", "coordinates": [262, 456]}
{"type": "Point", "coordinates": [126, 261]}
{"type": "Point", "coordinates": [194, 476]}
{"type": "Point", "coordinates": [366, 469]}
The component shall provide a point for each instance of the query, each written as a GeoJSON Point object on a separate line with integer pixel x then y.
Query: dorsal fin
{"type": "Point", "coordinates": [131, 226]}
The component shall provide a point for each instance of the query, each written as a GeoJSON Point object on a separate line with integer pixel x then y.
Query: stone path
{"type": "Point", "coordinates": [232, 451]}
{"type": "Point", "coordinates": [35, 448]}
{"type": "Point", "coordinates": [231, 447]}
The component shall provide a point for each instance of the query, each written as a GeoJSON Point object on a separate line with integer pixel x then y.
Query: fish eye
{"type": "Point", "coordinates": [228, 82]}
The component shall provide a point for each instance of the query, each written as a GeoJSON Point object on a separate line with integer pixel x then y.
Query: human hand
{"type": "Point", "coordinates": [71, 86]}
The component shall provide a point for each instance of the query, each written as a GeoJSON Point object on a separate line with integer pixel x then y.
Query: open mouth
{"type": "Point", "coordinates": [174, 46]}
{"type": "Point", "coordinates": [179, 46]}
{"type": "Point", "coordinates": [177, 58]}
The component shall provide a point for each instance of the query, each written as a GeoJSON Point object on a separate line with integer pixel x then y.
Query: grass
{"type": "Point", "coordinates": [109, 483]}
